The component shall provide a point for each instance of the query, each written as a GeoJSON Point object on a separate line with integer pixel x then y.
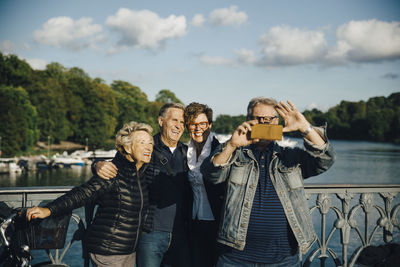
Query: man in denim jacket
{"type": "Point", "coordinates": [265, 219]}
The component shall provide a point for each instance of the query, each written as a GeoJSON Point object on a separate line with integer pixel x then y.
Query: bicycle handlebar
{"type": "Point", "coordinates": [3, 227]}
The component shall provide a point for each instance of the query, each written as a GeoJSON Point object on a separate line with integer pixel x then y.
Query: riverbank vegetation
{"type": "Point", "coordinates": [67, 104]}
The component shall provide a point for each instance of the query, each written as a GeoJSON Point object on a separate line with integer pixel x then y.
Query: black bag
{"type": "Point", "coordinates": [49, 233]}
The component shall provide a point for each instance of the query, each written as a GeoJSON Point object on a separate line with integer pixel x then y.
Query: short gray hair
{"type": "Point", "coordinates": [166, 106]}
{"type": "Point", "coordinates": [124, 137]}
{"type": "Point", "coordinates": [259, 100]}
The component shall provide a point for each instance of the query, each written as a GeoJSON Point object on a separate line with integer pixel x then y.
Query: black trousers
{"type": "Point", "coordinates": [203, 243]}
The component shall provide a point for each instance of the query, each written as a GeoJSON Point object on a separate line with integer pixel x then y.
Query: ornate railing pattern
{"type": "Point", "coordinates": [353, 210]}
{"type": "Point", "coordinates": [347, 217]}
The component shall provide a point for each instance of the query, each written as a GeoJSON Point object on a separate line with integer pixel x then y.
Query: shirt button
{"type": "Point", "coordinates": [262, 166]}
{"type": "Point", "coordinates": [262, 157]}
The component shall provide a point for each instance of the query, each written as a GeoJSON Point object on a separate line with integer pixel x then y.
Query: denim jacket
{"type": "Point", "coordinates": [288, 167]}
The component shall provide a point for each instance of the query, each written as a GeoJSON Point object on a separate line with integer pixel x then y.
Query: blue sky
{"type": "Point", "coordinates": [222, 53]}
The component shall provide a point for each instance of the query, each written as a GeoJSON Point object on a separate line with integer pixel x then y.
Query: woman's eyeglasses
{"type": "Point", "coordinates": [202, 125]}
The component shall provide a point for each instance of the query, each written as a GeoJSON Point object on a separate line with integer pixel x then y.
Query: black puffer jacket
{"type": "Point", "coordinates": [123, 207]}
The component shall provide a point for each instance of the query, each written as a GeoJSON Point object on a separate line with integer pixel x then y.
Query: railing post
{"type": "Point", "coordinates": [24, 197]}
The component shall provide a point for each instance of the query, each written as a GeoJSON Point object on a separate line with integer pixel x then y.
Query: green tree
{"type": "Point", "coordinates": [50, 103]}
{"type": "Point", "coordinates": [131, 101]}
{"type": "Point", "coordinates": [18, 120]}
{"type": "Point", "coordinates": [91, 108]}
{"type": "Point", "coordinates": [108, 103]}
{"type": "Point", "coordinates": [166, 96]}
{"type": "Point", "coordinates": [14, 72]}
{"type": "Point", "coordinates": [393, 102]}
{"type": "Point", "coordinates": [226, 124]}
{"type": "Point", "coordinates": [152, 110]}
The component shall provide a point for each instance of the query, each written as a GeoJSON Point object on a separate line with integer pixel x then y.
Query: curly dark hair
{"type": "Point", "coordinates": [194, 109]}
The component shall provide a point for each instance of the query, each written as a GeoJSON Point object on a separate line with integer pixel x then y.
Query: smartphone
{"type": "Point", "coordinates": [266, 131]}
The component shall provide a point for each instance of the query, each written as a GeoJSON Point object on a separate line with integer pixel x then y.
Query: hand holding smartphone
{"type": "Point", "coordinates": [266, 132]}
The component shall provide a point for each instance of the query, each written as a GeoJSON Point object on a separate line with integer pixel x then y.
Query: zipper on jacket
{"type": "Point", "coordinates": [141, 208]}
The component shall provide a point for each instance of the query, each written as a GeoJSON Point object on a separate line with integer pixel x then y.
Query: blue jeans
{"type": "Point", "coordinates": [226, 261]}
{"type": "Point", "coordinates": [151, 248]}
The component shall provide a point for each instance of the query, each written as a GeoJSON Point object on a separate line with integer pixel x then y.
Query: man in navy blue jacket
{"type": "Point", "coordinates": [165, 237]}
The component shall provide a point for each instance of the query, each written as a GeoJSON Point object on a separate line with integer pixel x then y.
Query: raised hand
{"type": "Point", "coordinates": [294, 120]}
{"type": "Point", "coordinates": [240, 136]}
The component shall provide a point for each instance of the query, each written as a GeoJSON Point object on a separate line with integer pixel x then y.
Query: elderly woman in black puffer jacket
{"type": "Point", "coordinates": [123, 201]}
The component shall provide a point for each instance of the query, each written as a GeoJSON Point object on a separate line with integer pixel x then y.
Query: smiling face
{"type": "Point", "coordinates": [141, 148]}
{"type": "Point", "coordinates": [199, 128]}
{"type": "Point", "coordinates": [172, 126]}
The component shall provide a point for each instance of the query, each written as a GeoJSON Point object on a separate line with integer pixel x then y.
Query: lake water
{"type": "Point", "coordinates": [357, 162]}
{"type": "Point", "coordinates": [362, 162]}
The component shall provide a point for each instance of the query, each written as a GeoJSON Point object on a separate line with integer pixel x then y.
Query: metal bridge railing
{"type": "Point", "coordinates": [349, 218]}
{"type": "Point", "coordinates": [346, 217]}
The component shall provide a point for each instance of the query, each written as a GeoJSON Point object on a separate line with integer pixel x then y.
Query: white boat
{"type": "Point", "coordinates": [83, 154]}
{"type": "Point", "coordinates": [104, 154]}
{"type": "Point", "coordinates": [66, 160]}
{"type": "Point", "coordinates": [9, 165]}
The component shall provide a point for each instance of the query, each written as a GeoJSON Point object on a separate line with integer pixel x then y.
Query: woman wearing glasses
{"type": "Point", "coordinates": [207, 198]}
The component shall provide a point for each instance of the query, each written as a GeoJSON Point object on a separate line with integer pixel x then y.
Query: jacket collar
{"type": "Point", "coordinates": [159, 144]}
{"type": "Point", "coordinates": [121, 162]}
{"type": "Point", "coordinates": [274, 147]}
{"type": "Point", "coordinates": [194, 160]}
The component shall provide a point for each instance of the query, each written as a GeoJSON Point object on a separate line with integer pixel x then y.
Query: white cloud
{"type": "Point", "coordinates": [145, 29]}
{"type": "Point", "coordinates": [198, 20]}
{"type": "Point", "coordinates": [216, 60]}
{"type": "Point", "coordinates": [245, 56]}
{"type": "Point", "coordinates": [37, 63]}
{"type": "Point", "coordinates": [65, 32]}
{"type": "Point", "coordinates": [227, 16]}
{"type": "Point", "coordinates": [357, 42]}
{"type": "Point", "coordinates": [367, 41]}
{"type": "Point", "coordinates": [8, 47]}
{"type": "Point", "coordinates": [283, 45]}
{"type": "Point", "coordinates": [117, 49]}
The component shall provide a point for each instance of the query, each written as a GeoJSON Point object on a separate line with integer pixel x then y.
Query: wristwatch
{"type": "Point", "coordinates": [307, 131]}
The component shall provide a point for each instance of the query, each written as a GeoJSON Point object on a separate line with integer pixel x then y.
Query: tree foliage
{"type": "Point", "coordinates": [378, 119]}
{"type": "Point", "coordinates": [166, 96]}
{"type": "Point", "coordinates": [67, 104]}
{"type": "Point", "coordinates": [18, 119]}
{"type": "Point", "coordinates": [226, 124]}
